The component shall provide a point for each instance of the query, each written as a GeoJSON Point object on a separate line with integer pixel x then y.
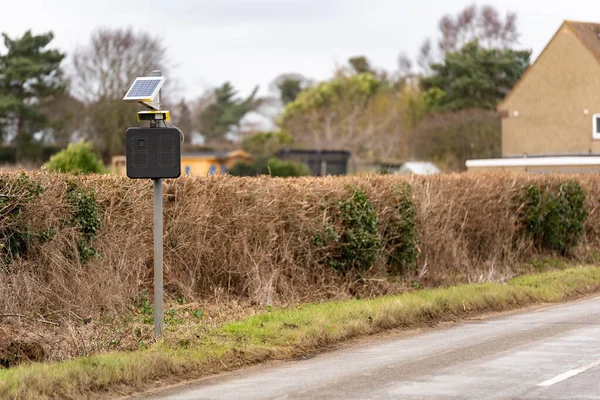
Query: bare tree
{"type": "Point", "coordinates": [449, 139]}
{"type": "Point", "coordinates": [425, 57]}
{"type": "Point", "coordinates": [66, 117]}
{"type": "Point", "coordinates": [102, 73]}
{"type": "Point", "coordinates": [182, 116]}
{"type": "Point", "coordinates": [484, 24]}
{"type": "Point", "coordinates": [405, 65]}
{"type": "Point", "coordinates": [112, 60]}
{"type": "Point", "coordinates": [374, 129]}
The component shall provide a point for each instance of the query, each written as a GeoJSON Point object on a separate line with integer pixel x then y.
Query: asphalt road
{"type": "Point", "coordinates": [552, 353]}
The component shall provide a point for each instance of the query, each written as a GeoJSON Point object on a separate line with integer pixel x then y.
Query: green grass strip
{"type": "Point", "coordinates": [285, 333]}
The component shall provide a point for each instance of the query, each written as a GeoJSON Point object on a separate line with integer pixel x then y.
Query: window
{"type": "Point", "coordinates": [596, 122]}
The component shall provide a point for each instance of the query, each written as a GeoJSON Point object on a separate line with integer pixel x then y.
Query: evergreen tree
{"type": "Point", "coordinates": [30, 76]}
{"type": "Point", "coordinates": [361, 65]}
{"type": "Point", "coordinates": [474, 77]}
{"type": "Point", "coordinates": [226, 111]}
{"type": "Point", "coordinates": [289, 89]}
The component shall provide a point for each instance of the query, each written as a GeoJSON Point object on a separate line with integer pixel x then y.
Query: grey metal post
{"type": "Point", "coordinates": [158, 258]}
{"type": "Point", "coordinates": [158, 248]}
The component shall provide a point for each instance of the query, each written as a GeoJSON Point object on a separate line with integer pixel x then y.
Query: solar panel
{"type": "Point", "coordinates": [144, 88]}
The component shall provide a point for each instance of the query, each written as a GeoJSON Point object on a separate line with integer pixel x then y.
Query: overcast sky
{"type": "Point", "coordinates": [250, 42]}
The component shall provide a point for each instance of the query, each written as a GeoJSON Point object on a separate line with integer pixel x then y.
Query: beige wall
{"type": "Point", "coordinates": [550, 101]}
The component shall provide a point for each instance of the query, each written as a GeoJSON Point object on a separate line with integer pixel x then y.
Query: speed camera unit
{"type": "Point", "coordinates": [153, 153]}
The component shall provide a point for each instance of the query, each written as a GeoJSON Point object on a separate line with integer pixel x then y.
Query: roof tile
{"type": "Point", "coordinates": [589, 33]}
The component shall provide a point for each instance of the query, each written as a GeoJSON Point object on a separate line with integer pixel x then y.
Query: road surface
{"type": "Point", "coordinates": [552, 353]}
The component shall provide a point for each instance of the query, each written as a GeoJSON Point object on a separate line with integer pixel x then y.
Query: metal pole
{"type": "Point", "coordinates": [158, 258]}
{"type": "Point", "coordinates": [159, 310]}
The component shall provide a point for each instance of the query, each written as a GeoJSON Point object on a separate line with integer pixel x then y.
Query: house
{"type": "Point", "coordinates": [320, 162]}
{"type": "Point", "coordinates": [197, 163]}
{"type": "Point", "coordinates": [551, 117]}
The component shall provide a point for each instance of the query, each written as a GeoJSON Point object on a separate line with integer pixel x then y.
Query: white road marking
{"type": "Point", "coordinates": [569, 374]}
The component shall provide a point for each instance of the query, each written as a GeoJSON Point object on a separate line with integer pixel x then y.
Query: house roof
{"type": "Point", "coordinates": [542, 161]}
{"type": "Point", "coordinates": [588, 34]}
{"type": "Point", "coordinates": [314, 151]}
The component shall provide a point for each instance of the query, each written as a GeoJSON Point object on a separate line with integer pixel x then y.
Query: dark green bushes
{"type": "Point", "coordinates": [351, 237]}
{"type": "Point", "coordinates": [241, 168]}
{"type": "Point", "coordinates": [401, 232]}
{"type": "Point", "coordinates": [553, 216]}
{"type": "Point", "coordinates": [15, 234]}
{"type": "Point", "coordinates": [20, 234]}
{"type": "Point", "coordinates": [356, 243]}
{"type": "Point", "coordinates": [272, 166]}
{"type": "Point", "coordinates": [281, 168]}
{"type": "Point", "coordinates": [84, 216]}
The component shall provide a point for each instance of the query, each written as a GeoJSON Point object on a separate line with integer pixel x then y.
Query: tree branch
{"type": "Point", "coordinates": [29, 318]}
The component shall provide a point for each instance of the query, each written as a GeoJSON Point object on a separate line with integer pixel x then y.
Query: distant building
{"type": "Point", "coordinates": [320, 162]}
{"type": "Point", "coordinates": [551, 117]}
{"type": "Point", "coordinates": [409, 167]}
{"type": "Point", "coordinates": [418, 168]}
{"type": "Point", "coordinates": [197, 163]}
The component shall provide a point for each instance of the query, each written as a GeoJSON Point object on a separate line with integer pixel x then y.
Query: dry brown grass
{"type": "Point", "coordinates": [248, 241]}
{"type": "Point", "coordinates": [283, 334]}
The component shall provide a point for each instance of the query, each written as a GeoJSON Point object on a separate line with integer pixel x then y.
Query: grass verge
{"type": "Point", "coordinates": [283, 334]}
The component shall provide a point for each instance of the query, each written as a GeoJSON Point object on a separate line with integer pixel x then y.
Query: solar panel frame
{"type": "Point", "coordinates": [144, 88]}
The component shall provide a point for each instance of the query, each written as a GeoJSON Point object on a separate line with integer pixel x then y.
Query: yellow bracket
{"type": "Point", "coordinates": [163, 115]}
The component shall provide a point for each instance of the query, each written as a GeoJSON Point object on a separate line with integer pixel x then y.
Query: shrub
{"type": "Point", "coordinates": [277, 167]}
{"type": "Point", "coordinates": [553, 216]}
{"type": "Point", "coordinates": [400, 235]}
{"type": "Point", "coordinates": [78, 158]}
{"type": "Point", "coordinates": [242, 168]}
{"type": "Point", "coordinates": [352, 238]}
{"type": "Point", "coordinates": [84, 216]}
{"type": "Point", "coordinates": [15, 235]}
{"type": "Point", "coordinates": [273, 167]}
{"type": "Point", "coordinates": [266, 144]}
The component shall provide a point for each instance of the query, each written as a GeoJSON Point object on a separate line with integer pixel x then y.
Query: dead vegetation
{"type": "Point", "coordinates": [237, 244]}
{"type": "Point", "coordinates": [282, 334]}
